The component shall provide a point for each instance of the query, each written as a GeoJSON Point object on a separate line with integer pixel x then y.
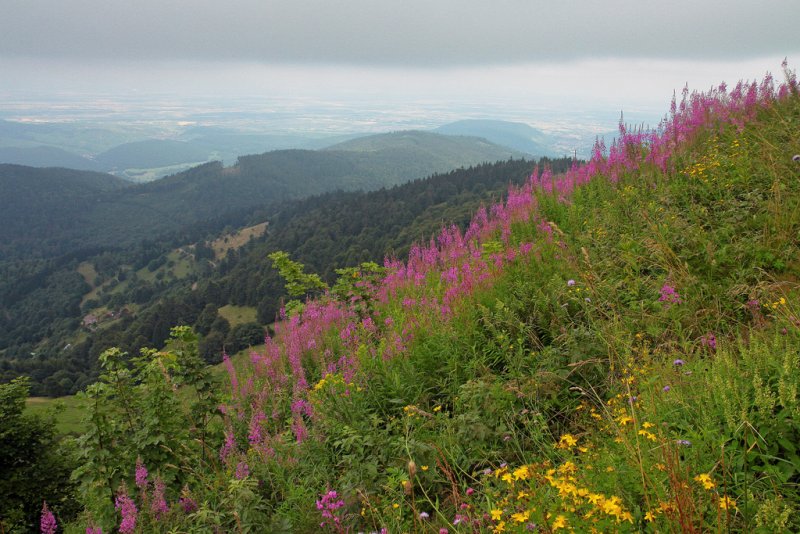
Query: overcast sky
{"type": "Point", "coordinates": [639, 50]}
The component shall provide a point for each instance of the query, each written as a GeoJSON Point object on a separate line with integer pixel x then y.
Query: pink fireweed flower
{"type": "Point", "coordinates": [128, 511]}
{"type": "Point", "coordinates": [228, 447]}
{"type": "Point", "coordinates": [188, 504]}
{"type": "Point", "coordinates": [47, 522]}
{"type": "Point", "coordinates": [158, 504]}
{"type": "Point", "coordinates": [94, 530]}
{"type": "Point", "coordinates": [242, 470]}
{"type": "Point", "coordinates": [141, 474]}
{"type": "Point", "coordinates": [328, 505]}
{"type": "Point", "coordinates": [669, 296]}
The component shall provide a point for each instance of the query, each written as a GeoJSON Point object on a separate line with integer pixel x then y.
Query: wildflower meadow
{"type": "Point", "coordinates": [613, 349]}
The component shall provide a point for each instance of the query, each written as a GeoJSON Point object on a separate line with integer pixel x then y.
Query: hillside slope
{"type": "Point", "coordinates": [124, 218]}
{"type": "Point", "coordinates": [151, 153]}
{"type": "Point", "coordinates": [45, 156]}
{"type": "Point", "coordinates": [177, 282]}
{"type": "Point", "coordinates": [612, 349]}
{"type": "Point", "coordinates": [515, 135]}
{"type": "Point", "coordinates": [38, 204]}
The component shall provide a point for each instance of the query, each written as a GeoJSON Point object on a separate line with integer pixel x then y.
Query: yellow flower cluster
{"type": "Point", "coordinates": [663, 508]}
{"type": "Point", "coordinates": [705, 480]}
{"type": "Point", "coordinates": [726, 503]}
{"type": "Point", "coordinates": [329, 378]}
{"type": "Point", "coordinates": [411, 410]}
{"type": "Point", "coordinates": [335, 384]}
{"type": "Point", "coordinates": [778, 303]}
{"type": "Point", "coordinates": [567, 442]}
{"type": "Point", "coordinates": [565, 481]}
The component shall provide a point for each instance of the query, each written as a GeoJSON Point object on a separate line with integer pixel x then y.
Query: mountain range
{"type": "Point", "coordinates": [86, 214]}
{"type": "Point", "coordinates": [142, 159]}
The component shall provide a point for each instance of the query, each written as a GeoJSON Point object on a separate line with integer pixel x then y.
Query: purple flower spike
{"type": "Point", "coordinates": [128, 511]}
{"type": "Point", "coordinates": [141, 474]}
{"type": "Point", "coordinates": [666, 389]}
{"type": "Point", "coordinates": [47, 523]}
{"type": "Point", "coordinates": [678, 362]}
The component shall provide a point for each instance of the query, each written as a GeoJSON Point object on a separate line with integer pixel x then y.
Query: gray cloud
{"type": "Point", "coordinates": [397, 32]}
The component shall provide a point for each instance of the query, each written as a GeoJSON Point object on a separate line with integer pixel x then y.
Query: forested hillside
{"type": "Point", "coordinates": [36, 205]}
{"type": "Point", "coordinates": [159, 288]}
{"type": "Point", "coordinates": [124, 218]}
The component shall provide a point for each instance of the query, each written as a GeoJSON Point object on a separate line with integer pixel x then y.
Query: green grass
{"type": "Point", "coordinates": [238, 314]}
{"type": "Point", "coordinates": [237, 240]}
{"type": "Point", "coordinates": [88, 272]}
{"type": "Point", "coordinates": [67, 412]}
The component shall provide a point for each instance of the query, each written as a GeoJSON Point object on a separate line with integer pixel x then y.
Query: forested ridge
{"type": "Point", "coordinates": [327, 231]}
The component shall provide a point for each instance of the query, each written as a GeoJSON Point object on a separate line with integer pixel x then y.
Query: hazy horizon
{"type": "Point", "coordinates": [367, 66]}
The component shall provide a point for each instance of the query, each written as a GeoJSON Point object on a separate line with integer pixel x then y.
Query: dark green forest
{"type": "Point", "coordinates": [43, 309]}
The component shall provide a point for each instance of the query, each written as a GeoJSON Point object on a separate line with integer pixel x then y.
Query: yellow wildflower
{"type": "Point", "coordinates": [648, 435]}
{"type": "Point", "coordinates": [649, 517]}
{"type": "Point", "coordinates": [567, 468]}
{"type": "Point", "coordinates": [496, 514]}
{"type": "Point", "coordinates": [521, 517]}
{"type": "Point", "coordinates": [395, 506]}
{"type": "Point", "coordinates": [666, 507]}
{"type": "Point", "coordinates": [594, 498]}
{"type": "Point", "coordinates": [705, 480]}
{"type": "Point", "coordinates": [726, 503]}
{"type": "Point", "coordinates": [424, 467]}
{"type": "Point", "coordinates": [521, 473]}
{"type": "Point", "coordinates": [647, 424]}
{"type": "Point", "coordinates": [560, 522]}
{"type": "Point", "coordinates": [507, 478]}
{"type": "Point", "coordinates": [500, 527]}
{"type": "Point", "coordinates": [567, 441]}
